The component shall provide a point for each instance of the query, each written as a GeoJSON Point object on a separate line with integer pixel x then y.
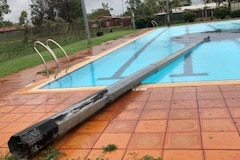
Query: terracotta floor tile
{"type": "Point", "coordinates": [230, 87]}
{"type": "Point", "coordinates": [211, 103]}
{"type": "Point", "coordinates": [119, 139]}
{"type": "Point", "coordinates": [27, 96]}
{"type": "Point", "coordinates": [59, 108]}
{"type": "Point", "coordinates": [218, 125]}
{"type": "Point", "coordinates": [231, 94]}
{"type": "Point", "coordinates": [140, 154]}
{"type": "Point", "coordinates": [222, 154]}
{"type": "Point", "coordinates": [162, 90]}
{"type": "Point", "coordinates": [16, 102]}
{"type": "Point", "coordinates": [3, 125]}
{"type": "Point", "coordinates": [114, 106]}
{"type": "Point", "coordinates": [103, 115]}
{"type": "Point", "coordinates": [128, 115]}
{"type": "Point", "coordinates": [184, 104]}
{"type": "Point", "coordinates": [10, 117]}
{"type": "Point", "coordinates": [35, 101]}
{"type": "Point", "coordinates": [235, 112]}
{"type": "Point", "coordinates": [99, 154]}
{"type": "Point", "coordinates": [147, 126]}
{"type": "Point", "coordinates": [4, 138]}
{"type": "Point", "coordinates": [137, 96]}
{"type": "Point", "coordinates": [77, 141]}
{"type": "Point", "coordinates": [160, 97]}
{"type": "Point", "coordinates": [131, 105]}
{"type": "Point", "coordinates": [183, 114]}
{"type": "Point", "coordinates": [184, 89]}
{"type": "Point", "coordinates": [183, 155]}
{"type": "Point", "coordinates": [23, 109]}
{"type": "Point", "coordinates": [233, 102]}
{"type": "Point", "coordinates": [73, 99]}
{"type": "Point", "coordinates": [7, 109]}
{"type": "Point", "coordinates": [77, 154]}
{"type": "Point", "coordinates": [91, 127]}
{"type": "Point", "coordinates": [185, 96]}
{"type": "Point", "coordinates": [158, 105]}
{"type": "Point", "coordinates": [207, 89]}
{"type": "Point", "coordinates": [146, 141]}
{"type": "Point", "coordinates": [214, 113]}
{"type": "Point", "coordinates": [43, 108]}
{"type": "Point", "coordinates": [54, 101]}
{"type": "Point", "coordinates": [190, 140]}
{"type": "Point", "coordinates": [154, 114]}
{"type": "Point", "coordinates": [183, 126]}
{"type": "Point", "coordinates": [237, 123]}
{"type": "Point", "coordinates": [60, 142]}
{"type": "Point", "coordinates": [46, 115]}
{"type": "Point", "coordinates": [209, 95]}
{"type": "Point", "coordinates": [2, 103]}
{"type": "Point", "coordinates": [121, 126]}
{"type": "Point", "coordinates": [4, 151]}
{"type": "Point", "coordinates": [17, 127]}
{"type": "Point", "coordinates": [31, 117]}
{"type": "Point", "coordinates": [221, 140]}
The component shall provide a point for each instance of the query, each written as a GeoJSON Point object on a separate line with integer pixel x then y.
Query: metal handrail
{"type": "Point", "coordinates": [51, 52]}
{"type": "Point", "coordinates": [51, 40]}
{"type": "Point", "coordinates": [154, 23]}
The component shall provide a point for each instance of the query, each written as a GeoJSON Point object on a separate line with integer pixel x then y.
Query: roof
{"type": "Point", "coordinates": [193, 7]}
{"type": "Point", "coordinates": [13, 28]}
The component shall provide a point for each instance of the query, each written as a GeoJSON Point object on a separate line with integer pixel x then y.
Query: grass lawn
{"type": "Point", "coordinates": [18, 64]}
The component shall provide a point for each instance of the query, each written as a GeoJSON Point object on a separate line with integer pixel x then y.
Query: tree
{"type": "Point", "coordinates": [189, 16]}
{"type": "Point", "coordinates": [38, 11]}
{"type": "Point", "coordinates": [69, 10]}
{"type": "Point", "coordinates": [23, 18]}
{"type": "Point", "coordinates": [221, 12]}
{"type": "Point", "coordinates": [6, 24]}
{"type": "Point", "coordinates": [155, 5]}
{"type": "Point", "coordinates": [51, 9]}
{"type": "Point", "coordinates": [4, 8]}
{"type": "Point", "coordinates": [104, 11]}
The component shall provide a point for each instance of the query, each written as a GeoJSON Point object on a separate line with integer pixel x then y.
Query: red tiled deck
{"type": "Point", "coordinates": [175, 123]}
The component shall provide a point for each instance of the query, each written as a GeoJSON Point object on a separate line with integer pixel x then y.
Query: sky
{"type": "Point", "coordinates": [118, 7]}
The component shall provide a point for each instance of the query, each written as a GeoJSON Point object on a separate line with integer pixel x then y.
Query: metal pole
{"type": "Point", "coordinates": [86, 21]}
{"type": "Point", "coordinates": [122, 8]}
{"type": "Point", "coordinates": [133, 18]}
{"type": "Point", "coordinates": [168, 15]}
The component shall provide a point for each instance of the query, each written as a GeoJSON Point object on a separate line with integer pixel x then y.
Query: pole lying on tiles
{"type": "Point", "coordinates": [37, 137]}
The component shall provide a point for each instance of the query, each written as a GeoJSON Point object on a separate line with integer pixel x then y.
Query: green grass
{"type": "Point", "coordinates": [109, 148]}
{"type": "Point", "coordinates": [27, 61]}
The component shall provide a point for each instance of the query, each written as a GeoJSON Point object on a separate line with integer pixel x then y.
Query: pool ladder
{"type": "Point", "coordinates": [154, 23]}
{"type": "Point", "coordinates": [48, 48]}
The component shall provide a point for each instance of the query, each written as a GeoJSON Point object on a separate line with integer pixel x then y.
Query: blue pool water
{"type": "Point", "coordinates": [213, 61]}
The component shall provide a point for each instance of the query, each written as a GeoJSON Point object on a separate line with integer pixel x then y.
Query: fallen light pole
{"type": "Point", "coordinates": [37, 137]}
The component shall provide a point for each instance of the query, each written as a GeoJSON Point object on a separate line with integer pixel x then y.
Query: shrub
{"type": "Point", "coordinates": [221, 12]}
{"type": "Point", "coordinates": [235, 14]}
{"type": "Point", "coordinates": [189, 16]}
{"type": "Point", "coordinates": [145, 22]}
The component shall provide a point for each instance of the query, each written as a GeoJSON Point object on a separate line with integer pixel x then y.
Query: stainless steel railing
{"type": "Point", "coordinates": [48, 48]}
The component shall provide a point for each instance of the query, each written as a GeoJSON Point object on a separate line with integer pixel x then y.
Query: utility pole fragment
{"type": "Point", "coordinates": [86, 20]}
{"type": "Point", "coordinates": [168, 14]}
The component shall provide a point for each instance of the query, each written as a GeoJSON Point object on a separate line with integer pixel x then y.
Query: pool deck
{"type": "Point", "coordinates": [175, 123]}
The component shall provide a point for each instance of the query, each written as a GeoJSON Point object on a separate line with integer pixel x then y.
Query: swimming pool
{"type": "Point", "coordinates": [213, 61]}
